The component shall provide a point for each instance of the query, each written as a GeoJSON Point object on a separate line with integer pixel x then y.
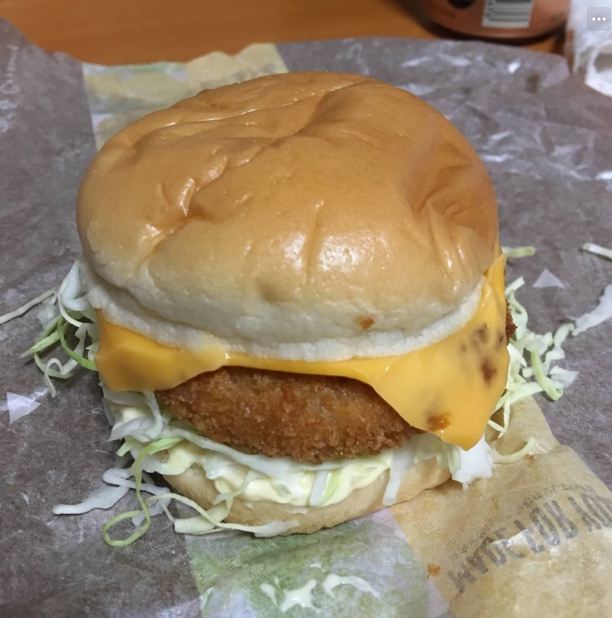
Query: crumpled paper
{"type": "Point", "coordinates": [534, 540]}
{"type": "Point", "coordinates": [588, 44]}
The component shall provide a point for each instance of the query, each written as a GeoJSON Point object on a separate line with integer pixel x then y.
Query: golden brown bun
{"type": "Point", "coordinates": [291, 209]}
{"type": "Point", "coordinates": [424, 475]}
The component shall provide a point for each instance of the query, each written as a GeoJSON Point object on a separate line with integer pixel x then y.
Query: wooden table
{"type": "Point", "coordinates": [130, 31]}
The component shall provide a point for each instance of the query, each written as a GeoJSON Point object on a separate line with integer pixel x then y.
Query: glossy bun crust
{"type": "Point", "coordinates": [291, 209]}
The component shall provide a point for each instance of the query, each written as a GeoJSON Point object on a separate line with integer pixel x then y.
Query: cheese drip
{"type": "Point", "coordinates": [449, 388]}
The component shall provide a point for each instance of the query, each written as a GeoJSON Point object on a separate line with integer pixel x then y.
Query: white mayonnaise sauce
{"type": "Point", "coordinates": [333, 581]}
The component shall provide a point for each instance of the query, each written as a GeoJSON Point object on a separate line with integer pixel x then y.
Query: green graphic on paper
{"type": "Point", "coordinates": [120, 95]}
{"type": "Point", "coordinates": [230, 568]}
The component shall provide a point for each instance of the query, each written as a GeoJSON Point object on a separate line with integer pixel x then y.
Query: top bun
{"type": "Point", "coordinates": [288, 210]}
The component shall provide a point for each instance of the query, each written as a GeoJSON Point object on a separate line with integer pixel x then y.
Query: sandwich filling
{"type": "Point", "coordinates": [282, 480]}
{"type": "Point", "coordinates": [449, 388]}
{"type": "Point", "coordinates": [160, 442]}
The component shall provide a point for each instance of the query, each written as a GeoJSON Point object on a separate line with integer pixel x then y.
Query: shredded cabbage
{"type": "Point", "coordinates": [104, 497]}
{"type": "Point", "coordinates": [528, 374]}
{"type": "Point", "coordinates": [7, 317]}
{"type": "Point", "coordinates": [332, 485]}
{"type": "Point", "coordinates": [136, 472]}
{"type": "Point", "coordinates": [564, 377]}
{"type": "Point", "coordinates": [519, 252]}
{"type": "Point", "coordinates": [597, 250]}
{"type": "Point", "coordinates": [542, 379]}
{"type": "Point", "coordinates": [285, 481]}
{"type": "Point", "coordinates": [318, 487]}
{"type": "Point", "coordinates": [401, 462]}
{"type": "Point", "coordinates": [476, 465]}
{"type": "Point", "coordinates": [528, 449]}
{"type": "Point", "coordinates": [600, 314]}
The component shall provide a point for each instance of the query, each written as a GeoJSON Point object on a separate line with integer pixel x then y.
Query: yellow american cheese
{"type": "Point", "coordinates": [449, 388]}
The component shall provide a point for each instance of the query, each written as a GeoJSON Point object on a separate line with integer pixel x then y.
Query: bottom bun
{"type": "Point", "coordinates": [194, 484]}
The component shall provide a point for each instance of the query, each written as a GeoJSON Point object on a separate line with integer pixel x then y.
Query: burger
{"type": "Point", "coordinates": [296, 294]}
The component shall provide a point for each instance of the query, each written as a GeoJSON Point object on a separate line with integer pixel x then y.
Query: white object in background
{"type": "Point", "coordinates": [588, 45]}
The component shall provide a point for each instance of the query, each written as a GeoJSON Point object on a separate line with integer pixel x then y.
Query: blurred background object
{"type": "Point", "coordinates": [589, 43]}
{"type": "Point", "coordinates": [499, 19]}
{"type": "Point", "coordinates": [134, 31]}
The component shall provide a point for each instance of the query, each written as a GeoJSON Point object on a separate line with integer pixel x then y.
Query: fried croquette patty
{"type": "Point", "coordinates": [310, 418]}
{"type": "Point", "coordinates": [307, 417]}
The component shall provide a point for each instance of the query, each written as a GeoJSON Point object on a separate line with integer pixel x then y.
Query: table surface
{"type": "Point", "coordinates": [132, 31]}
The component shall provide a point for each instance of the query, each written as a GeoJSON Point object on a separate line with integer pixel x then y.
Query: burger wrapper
{"type": "Point", "coordinates": [535, 540]}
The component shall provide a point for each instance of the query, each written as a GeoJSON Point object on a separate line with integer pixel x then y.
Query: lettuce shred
{"type": "Point", "coordinates": [597, 250]}
{"type": "Point", "coordinates": [7, 317]}
{"type": "Point", "coordinates": [532, 356]}
{"type": "Point", "coordinates": [519, 252]}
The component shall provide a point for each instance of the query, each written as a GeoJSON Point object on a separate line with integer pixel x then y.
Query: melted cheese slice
{"type": "Point", "coordinates": [449, 388]}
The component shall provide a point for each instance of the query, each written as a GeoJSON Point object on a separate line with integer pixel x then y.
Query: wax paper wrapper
{"type": "Point", "coordinates": [535, 540]}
